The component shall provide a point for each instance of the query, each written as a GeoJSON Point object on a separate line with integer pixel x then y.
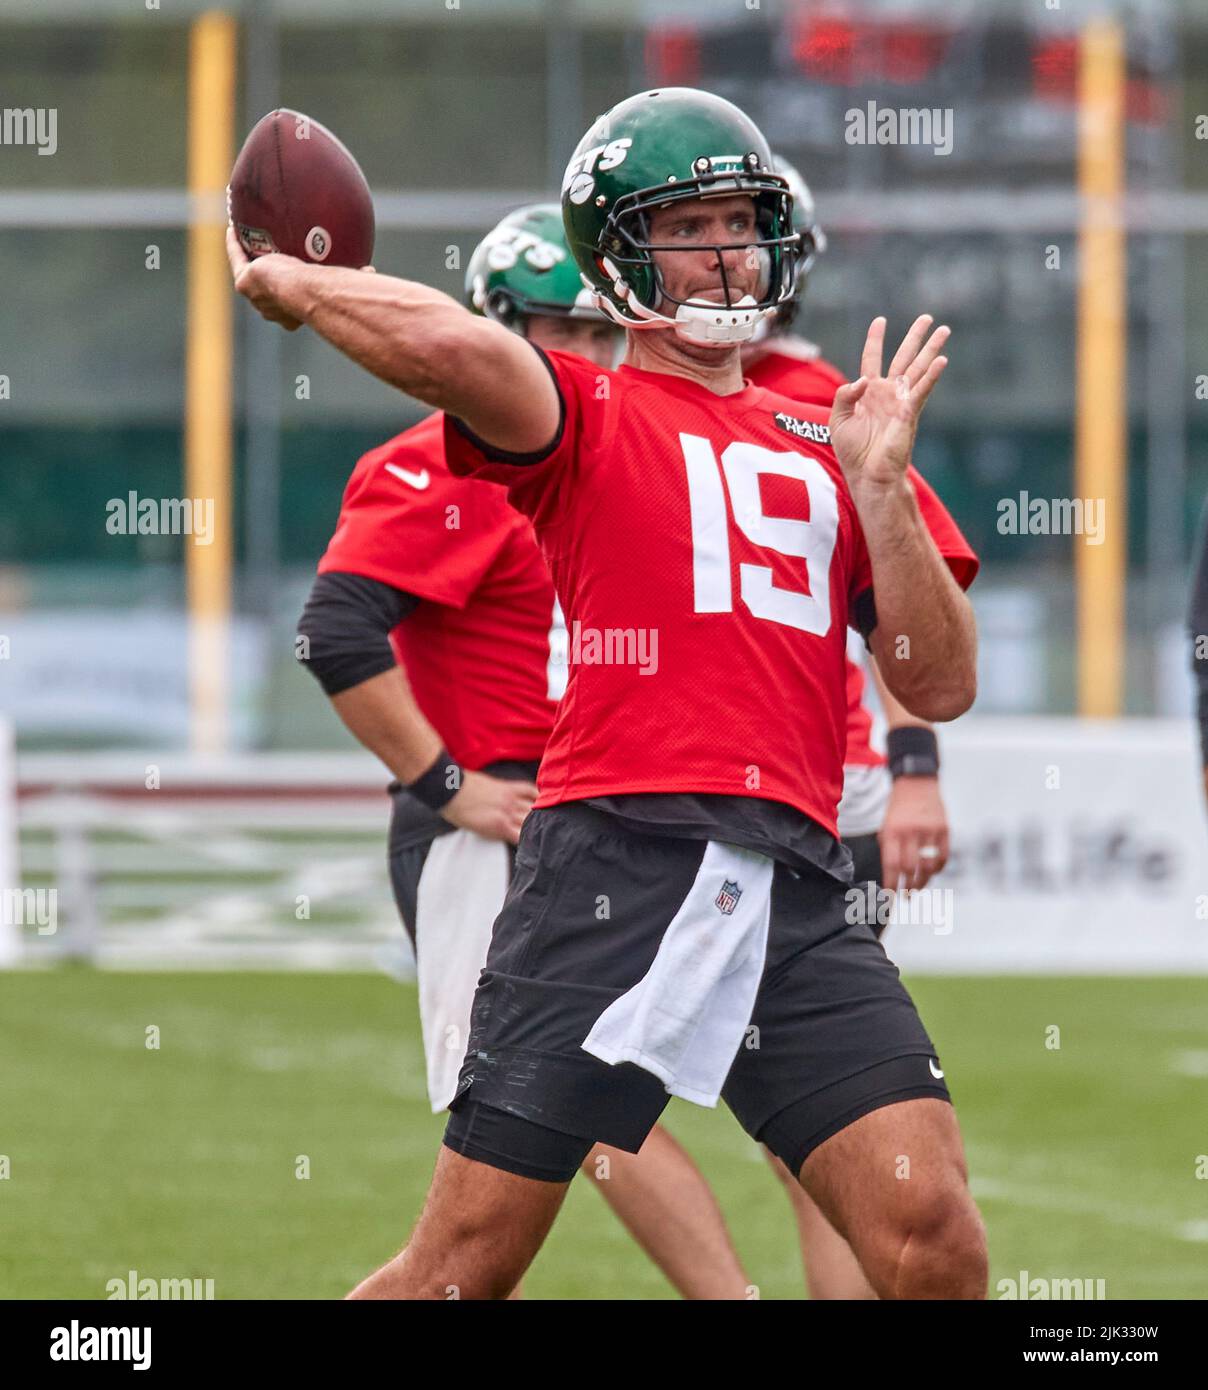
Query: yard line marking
{"type": "Point", "coordinates": [1190, 1062]}
{"type": "Point", "coordinates": [1070, 1203]}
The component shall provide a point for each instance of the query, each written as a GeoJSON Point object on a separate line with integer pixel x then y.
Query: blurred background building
{"type": "Point", "coordinates": [459, 112]}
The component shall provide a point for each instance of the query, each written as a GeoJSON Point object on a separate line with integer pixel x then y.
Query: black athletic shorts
{"type": "Point", "coordinates": [406, 865]}
{"type": "Point", "coordinates": [866, 868]}
{"type": "Point", "coordinates": [413, 828]}
{"type": "Point", "coordinates": [833, 1033]}
{"type": "Point", "coordinates": [865, 857]}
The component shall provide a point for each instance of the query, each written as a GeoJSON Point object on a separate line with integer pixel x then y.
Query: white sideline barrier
{"type": "Point", "coordinates": [1077, 846]}
{"type": "Point", "coordinates": [174, 861]}
{"type": "Point", "coordinates": [10, 878]}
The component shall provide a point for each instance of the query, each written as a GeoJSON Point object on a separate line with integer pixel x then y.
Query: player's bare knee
{"type": "Point", "coordinates": [489, 1252]}
{"type": "Point", "coordinates": [940, 1247]}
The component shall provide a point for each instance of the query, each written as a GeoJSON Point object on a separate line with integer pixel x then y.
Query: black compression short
{"type": "Point", "coordinates": [830, 1010]}
{"type": "Point", "coordinates": [516, 1146]}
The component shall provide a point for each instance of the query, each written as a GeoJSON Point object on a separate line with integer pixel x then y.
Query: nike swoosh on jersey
{"type": "Point", "coordinates": [418, 480]}
{"type": "Point", "coordinates": [937, 1072]}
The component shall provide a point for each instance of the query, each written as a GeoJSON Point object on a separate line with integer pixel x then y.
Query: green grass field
{"type": "Point", "coordinates": [180, 1162]}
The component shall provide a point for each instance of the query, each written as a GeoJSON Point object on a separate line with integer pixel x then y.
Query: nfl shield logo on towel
{"type": "Point", "coordinates": [727, 900]}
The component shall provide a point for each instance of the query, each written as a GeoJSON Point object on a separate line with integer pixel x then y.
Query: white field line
{"type": "Point", "coordinates": [1069, 1202]}
{"type": "Point", "coordinates": [1191, 1062]}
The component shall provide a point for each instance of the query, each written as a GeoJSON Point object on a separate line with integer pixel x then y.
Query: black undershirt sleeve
{"type": "Point", "coordinates": [345, 629]}
{"type": "Point", "coordinates": [864, 610]}
{"type": "Point", "coordinates": [1197, 625]}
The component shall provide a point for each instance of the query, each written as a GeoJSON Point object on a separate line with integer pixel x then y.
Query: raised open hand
{"type": "Point", "coordinates": [873, 420]}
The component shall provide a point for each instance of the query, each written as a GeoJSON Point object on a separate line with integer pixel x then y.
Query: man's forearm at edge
{"type": "Point", "coordinates": [396, 329]}
{"type": "Point", "coordinates": [925, 641]}
{"type": "Point", "coordinates": [420, 341]}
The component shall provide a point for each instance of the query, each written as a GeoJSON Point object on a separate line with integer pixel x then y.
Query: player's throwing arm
{"type": "Point", "coordinates": [925, 640]}
{"type": "Point", "coordinates": [414, 338]}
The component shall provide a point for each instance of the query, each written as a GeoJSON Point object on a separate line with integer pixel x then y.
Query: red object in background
{"type": "Point", "coordinates": [833, 49]}
{"type": "Point", "coordinates": [911, 53]}
{"type": "Point", "coordinates": [673, 55]}
{"type": "Point", "coordinates": [825, 49]}
{"type": "Point", "coordinates": [1055, 79]}
{"type": "Point", "coordinates": [1145, 102]}
{"type": "Point", "coordinates": [1055, 69]}
{"type": "Point", "coordinates": [296, 189]}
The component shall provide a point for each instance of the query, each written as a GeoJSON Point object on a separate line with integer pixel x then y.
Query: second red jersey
{"type": "Point", "coordinates": [477, 652]}
{"type": "Point", "coordinates": [792, 367]}
{"type": "Point", "coordinates": [795, 368]}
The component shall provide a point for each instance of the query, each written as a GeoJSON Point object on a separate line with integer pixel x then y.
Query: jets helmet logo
{"type": "Point", "coordinates": [579, 181]}
{"type": "Point", "coordinates": [507, 245]}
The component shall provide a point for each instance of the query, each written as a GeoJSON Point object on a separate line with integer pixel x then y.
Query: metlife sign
{"type": "Point", "coordinates": [1077, 846]}
{"type": "Point", "coordinates": [105, 675]}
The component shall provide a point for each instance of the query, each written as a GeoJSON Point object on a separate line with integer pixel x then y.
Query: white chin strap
{"type": "Point", "coordinates": [715, 326]}
{"type": "Point", "coordinates": [763, 331]}
{"type": "Point", "coordinates": [711, 325]}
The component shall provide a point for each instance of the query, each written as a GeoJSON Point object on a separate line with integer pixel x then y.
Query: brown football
{"type": "Point", "coordinates": [296, 189]}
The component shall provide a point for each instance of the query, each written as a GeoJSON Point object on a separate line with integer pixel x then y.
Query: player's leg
{"type": "Point", "coordinates": [843, 1085]}
{"type": "Point", "coordinates": [465, 908]}
{"type": "Point", "coordinates": [479, 1231]}
{"type": "Point", "coordinates": [531, 1101]}
{"type": "Point", "coordinates": [890, 1179]}
{"type": "Point", "coordinates": [894, 1183]}
{"type": "Point", "coordinates": [662, 1199]}
{"type": "Point", "coordinates": [831, 1269]}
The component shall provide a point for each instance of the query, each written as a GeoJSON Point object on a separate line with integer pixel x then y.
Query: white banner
{"type": "Point", "coordinates": [1077, 845]}
{"type": "Point", "coordinates": [107, 674]}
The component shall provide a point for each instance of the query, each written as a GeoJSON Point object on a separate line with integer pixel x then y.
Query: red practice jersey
{"type": "Point", "coordinates": [794, 368]}
{"type": "Point", "coordinates": [707, 554]}
{"type": "Point", "coordinates": [477, 651]}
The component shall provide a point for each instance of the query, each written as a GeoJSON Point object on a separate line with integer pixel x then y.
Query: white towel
{"type": "Point", "coordinates": [686, 1017]}
{"type": "Point", "coordinates": [461, 890]}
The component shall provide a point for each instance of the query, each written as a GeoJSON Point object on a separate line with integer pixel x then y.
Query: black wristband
{"type": "Point", "coordinates": [913, 752]}
{"type": "Point", "coordinates": [440, 784]}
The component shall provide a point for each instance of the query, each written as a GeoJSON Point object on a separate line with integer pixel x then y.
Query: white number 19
{"type": "Point", "coordinates": [812, 541]}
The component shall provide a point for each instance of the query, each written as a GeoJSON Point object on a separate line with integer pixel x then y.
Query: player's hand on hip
{"type": "Point", "coordinates": [914, 834]}
{"type": "Point", "coordinates": [490, 806]}
{"type": "Point", "coordinates": [874, 419]}
{"type": "Point", "coordinates": [262, 280]}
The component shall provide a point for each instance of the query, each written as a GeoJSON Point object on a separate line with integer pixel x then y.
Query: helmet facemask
{"type": "Point", "coordinates": [627, 258]}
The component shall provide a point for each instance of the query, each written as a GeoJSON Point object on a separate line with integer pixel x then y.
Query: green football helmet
{"type": "Point", "coordinates": [813, 241]}
{"type": "Point", "coordinates": [524, 267]}
{"type": "Point", "coordinates": [662, 147]}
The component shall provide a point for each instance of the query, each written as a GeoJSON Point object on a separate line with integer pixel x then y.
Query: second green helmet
{"type": "Point", "coordinates": [524, 267]}
{"type": "Point", "coordinates": [811, 246]}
